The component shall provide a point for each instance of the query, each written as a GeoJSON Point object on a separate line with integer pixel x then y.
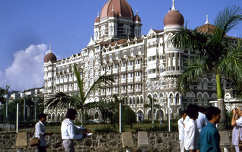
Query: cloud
{"type": "Point", "coordinates": [26, 70]}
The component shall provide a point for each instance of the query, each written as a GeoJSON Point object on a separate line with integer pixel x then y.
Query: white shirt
{"type": "Point", "coordinates": [181, 129]}
{"type": "Point", "coordinates": [69, 130]}
{"type": "Point", "coordinates": [239, 122]}
{"type": "Point", "coordinates": [40, 133]}
{"type": "Point", "coordinates": [201, 121]}
{"type": "Point", "coordinates": [191, 134]}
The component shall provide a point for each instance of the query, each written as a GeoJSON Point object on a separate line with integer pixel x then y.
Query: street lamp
{"type": "Point", "coordinates": [35, 101]}
{"type": "Point", "coordinates": [6, 98]}
{"type": "Point", "coordinates": [22, 96]}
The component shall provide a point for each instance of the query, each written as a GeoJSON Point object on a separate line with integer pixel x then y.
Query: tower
{"type": "Point", "coordinates": [116, 21]}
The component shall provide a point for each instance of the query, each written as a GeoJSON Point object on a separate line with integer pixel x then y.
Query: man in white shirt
{"type": "Point", "coordinates": [69, 131]}
{"type": "Point", "coordinates": [201, 120]}
{"type": "Point", "coordinates": [181, 130]}
{"type": "Point", "coordinates": [40, 133]}
{"type": "Point", "coordinates": [191, 134]}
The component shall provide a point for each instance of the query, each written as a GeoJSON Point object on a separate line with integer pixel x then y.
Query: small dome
{"type": "Point", "coordinates": [97, 20]}
{"type": "Point", "coordinates": [174, 17]}
{"type": "Point", "coordinates": [206, 28]}
{"type": "Point", "coordinates": [137, 18]}
{"type": "Point", "coordinates": [117, 8]}
{"type": "Point", "coordinates": [50, 57]}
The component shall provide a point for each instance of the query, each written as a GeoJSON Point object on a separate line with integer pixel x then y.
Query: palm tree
{"type": "Point", "coordinates": [102, 82]}
{"type": "Point", "coordinates": [62, 100]}
{"type": "Point", "coordinates": [2, 93]}
{"type": "Point", "coordinates": [215, 54]}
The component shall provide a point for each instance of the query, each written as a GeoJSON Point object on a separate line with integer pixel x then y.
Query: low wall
{"type": "Point", "coordinates": [106, 142]}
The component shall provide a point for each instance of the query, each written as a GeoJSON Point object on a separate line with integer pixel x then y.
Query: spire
{"type": "Point", "coordinates": [207, 22]}
{"type": "Point", "coordinates": [137, 12]}
{"type": "Point", "coordinates": [173, 5]}
{"type": "Point", "coordinates": [50, 49]}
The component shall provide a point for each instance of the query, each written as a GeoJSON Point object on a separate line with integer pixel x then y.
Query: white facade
{"type": "Point", "coordinates": [142, 66]}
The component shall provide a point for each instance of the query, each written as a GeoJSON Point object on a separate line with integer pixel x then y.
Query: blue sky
{"type": "Point", "coordinates": [68, 24]}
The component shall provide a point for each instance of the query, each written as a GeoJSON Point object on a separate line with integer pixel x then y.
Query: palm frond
{"type": "Point", "coordinates": [79, 83]}
{"type": "Point", "coordinates": [228, 19]}
{"type": "Point", "coordinates": [60, 100]}
{"type": "Point", "coordinates": [189, 39]}
{"type": "Point", "coordinates": [102, 81]}
{"type": "Point", "coordinates": [196, 68]}
{"type": "Point", "coordinates": [231, 65]}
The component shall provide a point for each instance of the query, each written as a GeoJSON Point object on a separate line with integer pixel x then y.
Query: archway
{"type": "Point", "coordinates": [159, 115]}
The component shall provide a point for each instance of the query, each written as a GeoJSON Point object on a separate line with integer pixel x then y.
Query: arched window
{"type": "Point", "coordinates": [137, 100]}
{"type": "Point", "coordinates": [177, 99]}
{"type": "Point", "coordinates": [171, 98]}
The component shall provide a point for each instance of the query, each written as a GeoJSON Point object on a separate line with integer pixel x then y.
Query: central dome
{"type": "Point", "coordinates": [114, 8]}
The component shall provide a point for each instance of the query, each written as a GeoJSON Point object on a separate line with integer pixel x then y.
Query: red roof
{"type": "Point", "coordinates": [174, 17]}
{"type": "Point", "coordinates": [119, 8]}
{"type": "Point", "coordinates": [50, 57]}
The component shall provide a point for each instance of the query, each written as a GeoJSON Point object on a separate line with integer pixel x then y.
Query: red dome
{"type": "Point", "coordinates": [137, 18]}
{"type": "Point", "coordinates": [50, 57]}
{"type": "Point", "coordinates": [174, 17]}
{"type": "Point", "coordinates": [117, 8]}
{"type": "Point", "coordinates": [97, 19]}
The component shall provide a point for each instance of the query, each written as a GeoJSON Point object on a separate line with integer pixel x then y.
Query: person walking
{"type": "Point", "coordinates": [191, 134]}
{"type": "Point", "coordinates": [70, 132]}
{"type": "Point", "coordinates": [181, 130]}
{"type": "Point", "coordinates": [40, 133]}
{"type": "Point", "coordinates": [201, 120]}
{"type": "Point", "coordinates": [237, 130]}
{"type": "Point", "coordinates": [209, 136]}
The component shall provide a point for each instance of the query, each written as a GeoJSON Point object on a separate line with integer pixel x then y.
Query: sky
{"type": "Point", "coordinates": [29, 27]}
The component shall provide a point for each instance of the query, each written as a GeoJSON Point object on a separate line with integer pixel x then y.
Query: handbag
{"type": "Point", "coordinates": [34, 141]}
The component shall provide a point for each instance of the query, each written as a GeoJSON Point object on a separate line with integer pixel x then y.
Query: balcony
{"type": "Point", "coordinates": [102, 72]}
{"type": "Point", "coordinates": [115, 91]}
{"type": "Point", "coordinates": [138, 79]}
{"type": "Point", "coordinates": [123, 91]}
{"type": "Point", "coordinates": [115, 71]}
{"type": "Point", "coordinates": [109, 72]}
{"type": "Point", "coordinates": [123, 80]}
{"type": "Point", "coordinates": [70, 79]}
{"type": "Point", "coordinates": [130, 80]}
{"type": "Point", "coordinates": [130, 90]}
{"type": "Point", "coordinates": [123, 69]}
{"type": "Point", "coordinates": [109, 93]}
{"type": "Point", "coordinates": [130, 68]}
{"type": "Point", "coordinates": [137, 66]}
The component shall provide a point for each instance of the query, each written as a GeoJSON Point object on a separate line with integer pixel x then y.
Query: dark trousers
{"type": "Point", "coordinates": [41, 149]}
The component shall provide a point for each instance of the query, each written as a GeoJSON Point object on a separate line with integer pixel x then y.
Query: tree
{"type": "Point", "coordinates": [215, 54]}
{"type": "Point", "coordinates": [62, 100]}
{"type": "Point", "coordinates": [2, 93]}
{"type": "Point", "coordinates": [102, 82]}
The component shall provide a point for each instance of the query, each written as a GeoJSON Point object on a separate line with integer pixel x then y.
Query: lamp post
{"type": "Point", "coordinates": [120, 117]}
{"type": "Point", "coordinates": [6, 98]}
{"type": "Point", "coordinates": [24, 111]}
{"type": "Point", "coordinates": [17, 119]}
{"type": "Point", "coordinates": [35, 111]}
